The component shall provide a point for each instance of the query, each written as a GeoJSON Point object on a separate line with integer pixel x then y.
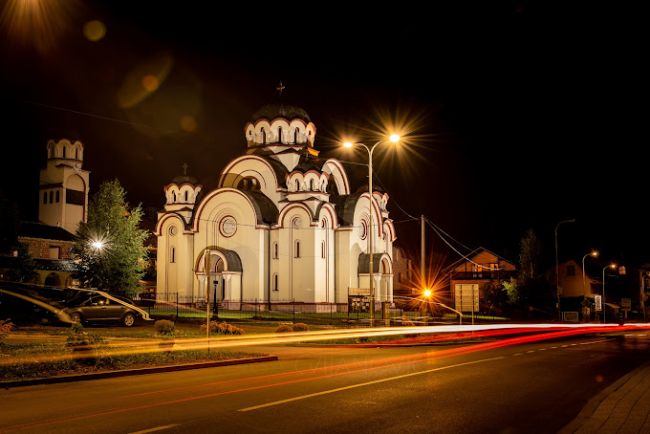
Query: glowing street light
{"type": "Point", "coordinates": [393, 138]}
{"type": "Point", "coordinates": [427, 293]}
{"type": "Point", "coordinates": [593, 254]}
{"type": "Point", "coordinates": [97, 244]}
{"type": "Point", "coordinates": [613, 267]}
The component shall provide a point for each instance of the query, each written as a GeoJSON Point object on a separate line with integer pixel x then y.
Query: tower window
{"type": "Point", "coordinates": [312, 186]}
{"type": "Point", "coordinates": [275, 282]}
{"type": "Point", "coordinates": [297, 185]}
{"type": "Point", "coordinates": [275, 250]}
{"type": "Point", "coordinates": [174, 196]}
{"type": "Point", "coordinates": [263, 136]}
{"type": "Point", "coordinates": [186, 196]}
{"type": "Point", "coordinates": [279, 134]}
{"type": "Point", "coordinates": [295, 135]}
{"type": "Point", "coordinates": [297, 255]}
{"type": "Point", "coordinates": [322, 249]}
{"type": "Point", "coordinates": [172, 255]}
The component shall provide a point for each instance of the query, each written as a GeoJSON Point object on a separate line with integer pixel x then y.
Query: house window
{"type": "Point", "coordinates": [570, 270]}
{"type": "Point", "coordinates": [275, 282]}
{"type": "Point", "coordinates": [54, 252]}
{"type": "Point", "coordinates": [297, 253]}
{"type": "Point", "coordinates": [275, 251]}
{"type": "Point", "coordinates": [57, 196]}
{"type": "Point", "coordinates": [45, 198]}
{"type": "Point", "coordinates": [172, 255]}
{"type": "Point", "coordinates": [51, 197]}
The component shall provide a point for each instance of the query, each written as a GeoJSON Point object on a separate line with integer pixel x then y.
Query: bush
{"type": "Point", "coordinates": [300, 327]}
{"type": "Point", "coordinates": [164, 327]}
{"type": "Point", "coordinates": [223, 328]}
{"type": "Point", "coordinates": [79, 340]}
{"type": "Point", "coordinates": [6, 327]}
{"type": "Point", "coordinates": [284, 328]}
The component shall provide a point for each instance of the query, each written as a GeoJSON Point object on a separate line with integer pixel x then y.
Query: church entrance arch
{"type": "Point", "coordinates": [53, 279]}
{"type": "Point", "coordinates": [223, 279]}
{"type": "Point", "coordinates": [386, 282]}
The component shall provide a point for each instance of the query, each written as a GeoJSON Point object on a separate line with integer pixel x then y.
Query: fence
{"type": "Point", "coordinates": [187, 307]}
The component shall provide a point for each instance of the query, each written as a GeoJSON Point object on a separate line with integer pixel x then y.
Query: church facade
{"type": "Point", "coordinates": [282, 225]}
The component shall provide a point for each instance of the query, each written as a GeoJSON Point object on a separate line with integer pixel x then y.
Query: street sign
{"type": "Point", "coordinates": [626, 303]}
{"type": "Point", "coordinates": [358, 303]}
{"type": "Point", "coordinates": [598, 303]}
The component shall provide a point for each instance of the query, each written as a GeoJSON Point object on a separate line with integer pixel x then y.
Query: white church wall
{"type": "Point", "coordinates": [255, 167]}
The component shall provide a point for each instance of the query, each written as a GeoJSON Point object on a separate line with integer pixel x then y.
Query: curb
{"type": "Point", "coordinates": [130, 372]}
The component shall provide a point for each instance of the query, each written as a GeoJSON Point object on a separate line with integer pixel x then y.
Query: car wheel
{"type": "Point", "coordinates": [75, 317]}
{"type": "Point", "coordinates": [128, 319]}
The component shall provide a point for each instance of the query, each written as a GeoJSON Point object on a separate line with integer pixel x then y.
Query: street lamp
{"type": "Point", "coordinates": [557, 267]}
{"type": "Point", "coordinates": [97, 245]}
{"type": "Point", "coordinates": [593, 254]}
{"type": "Point", "coordinates": [612, 266]}
{"type": "Point", "coordinates": [393, 138]}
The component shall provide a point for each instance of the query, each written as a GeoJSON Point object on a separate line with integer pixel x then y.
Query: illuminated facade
{"type": "Point", "coordinates": [282, 225]}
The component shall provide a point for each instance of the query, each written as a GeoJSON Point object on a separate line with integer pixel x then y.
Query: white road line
{"type": "Point", "coordinates": [518, 354]}
{"type": "Point", "coordinates": [368, 383]}
{"type": "Point", "coordinates": [530, 351]}
{"type": "Point", "coordinates": [553, 348]}
{"type": "Point", "coordinates": [158, 428]}
{"type": "Point", "coordinates": [542, 349]}
{"type": "Point", "coordinates": [564, 346]}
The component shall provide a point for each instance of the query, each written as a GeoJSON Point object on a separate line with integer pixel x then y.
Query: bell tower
{"type": "Point", "coordinates": [63, 186]}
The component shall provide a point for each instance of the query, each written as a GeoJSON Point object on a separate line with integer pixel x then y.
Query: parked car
{"type": "Point", "coordinates": [97, 307]}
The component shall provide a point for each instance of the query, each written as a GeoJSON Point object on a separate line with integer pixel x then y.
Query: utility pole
{"type": "Point", "coordinates": [422, 247]}
{"type": "Point", "coordinates": [207, 297]}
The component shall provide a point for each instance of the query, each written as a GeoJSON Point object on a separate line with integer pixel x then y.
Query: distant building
{"type": "Point", "coordinates": [470, 276]}
{"type": "Point", "coordinates": [403, 274]}
{"type": "Point", "coordinates": [63, 204]}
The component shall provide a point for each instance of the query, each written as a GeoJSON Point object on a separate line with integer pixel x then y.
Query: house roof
{"type": "Point", "coordinates": [472, 254]}
{"type": "Point", "coordinates": [43, 231]}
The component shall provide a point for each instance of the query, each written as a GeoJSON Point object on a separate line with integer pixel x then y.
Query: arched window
{"type": "Point", "coordinates": [172, 255]}
{"type": "Point", "coordinates": [174, 196]}
{"type": "Point", "coordinates": [295, 135]}
{"type": "Point", "coordinates": [275, 282]}
{"type": "Point", "coordinates": [297, 252]}
{"type": "Point", "coordinates": [263, 136]}
{"type": "Point", "coordinates": [312, 186]}
{"type": "Point", "coordinates": [275, 251]}
{"type": "Point", "coordinates": [297, 185]}
{"type": "Point", "coordinates": [76, 154]}
{"type": "Point", "coordinates": [322, 249]}
{"type": "Point", "coordinates": [279, 134]}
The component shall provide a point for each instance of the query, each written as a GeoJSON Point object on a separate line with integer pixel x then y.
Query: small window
{"type": "Point", "coordinates": [186, 196]}
{"type": "Point", "coordinates": [297, 185]}
{"type": "Point", "coordinates": [322, 249]}
{"type": "Point", "coordinates": [57, 197]}
{"type": "Point", "coordinates": [45, 198]}
{"type": "Point", "coordinates": [312, 185]}
{"type": "Point", "coordinates": [172, 255]}
{"type": "Point", "coordinates": [275, 251]}
{"type": "Point", "coordinates": [275, 282]}
{"type": "Point", "coordinates": [297, 249]}
{"type": "Point", "coordinates": [263, 136]}
{"type": "Point", "coordinates": [570, 270]}
{"type": "Point", "coordinates": [54, 252]}
{"type": "Point", "coordinates": [173, 196]}
{"type": "Point", "coordinates": [279, 134]}
{"type": "Point", "coordinates": [295, 135]}
{"type": "Point", "coordinates": [51, 197]}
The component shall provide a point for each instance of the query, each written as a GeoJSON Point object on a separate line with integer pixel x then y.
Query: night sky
{"type": "Point", "coordinates": [522, 114]}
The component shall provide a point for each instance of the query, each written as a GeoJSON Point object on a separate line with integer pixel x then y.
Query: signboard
{"type": "Point", "coordinates": [626, 303]}
{"type": "Point", "coordinates": [467, 297]}
{"type": "Point", "coordinates": [598, 303]}
{"type": "Point", "coordinates": [359, 291]}
{"type": "Point", "coordinates": [358, 303]}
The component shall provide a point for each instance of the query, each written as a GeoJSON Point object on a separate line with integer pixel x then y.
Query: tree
{"type": "Point", "coordinates": [111, 245]}
{"type": "Point", "coordinates": [529, 256]}
{"type": "Point", "coordinates": [533, 292]}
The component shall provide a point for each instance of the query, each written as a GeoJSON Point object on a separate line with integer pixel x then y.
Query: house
{"type": "Point", "coordinates": [471, 275]}
{"type": "Point", "coordinates": [403, 274]}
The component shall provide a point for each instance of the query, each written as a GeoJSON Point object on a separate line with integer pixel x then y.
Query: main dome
{"type": "Point", "coordinates": [272, 111]}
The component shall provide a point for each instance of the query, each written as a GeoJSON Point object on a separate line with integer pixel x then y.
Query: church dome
{"type": "Point", "coordinates": [272, 111]}
{"type": "Point", "coordinates": [184, 179]}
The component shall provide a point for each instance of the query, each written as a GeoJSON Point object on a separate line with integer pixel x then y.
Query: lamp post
{"type": "Point", "coordinates": [593, 254]}
{"type": "Point", "coordinates": [394, 138]}
{"type": "Point", "coordinates": [557, 268]}
{"type": "Point", "coordinates": [612, 266]}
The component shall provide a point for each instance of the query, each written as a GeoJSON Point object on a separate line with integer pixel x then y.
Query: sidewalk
{"type": "Point", "coordinates": [623, 408]}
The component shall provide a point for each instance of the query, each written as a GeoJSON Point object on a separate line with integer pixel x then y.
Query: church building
{"type": "Point", "coordinates": [282, 225]}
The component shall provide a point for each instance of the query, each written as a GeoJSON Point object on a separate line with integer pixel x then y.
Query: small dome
{"type": "Point", "coordinates": [272, 111]}
{"type": "Point", "coordinates": [185, 179]}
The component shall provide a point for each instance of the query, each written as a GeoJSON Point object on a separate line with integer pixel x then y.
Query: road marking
{"type": "Point", "coordinates": [158, 428]}
{"type": "Point", "coordinates": [530, 351]}
{"type": "Point", "coordinates": [564, 346]}
{"type": "Point", "coordinates": [368, 383]}
{"type": "Point", "coordinates": [518, 354]}
{"type": "Point", "coordinates": [553, 348]}
{"type": "Point", "coordinates": [542, 349]}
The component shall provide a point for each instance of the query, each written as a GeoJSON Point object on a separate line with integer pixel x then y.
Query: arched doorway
{"type": "Point", "coordinates": [386, 282]}
{"type": "Point", "coordinates": [223, 278]}
{"type": "Point", "coordinates": [53, 279]}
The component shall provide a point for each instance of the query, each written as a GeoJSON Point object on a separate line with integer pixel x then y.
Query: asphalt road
{"type": "Point", "coordinates": [531, 388]}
